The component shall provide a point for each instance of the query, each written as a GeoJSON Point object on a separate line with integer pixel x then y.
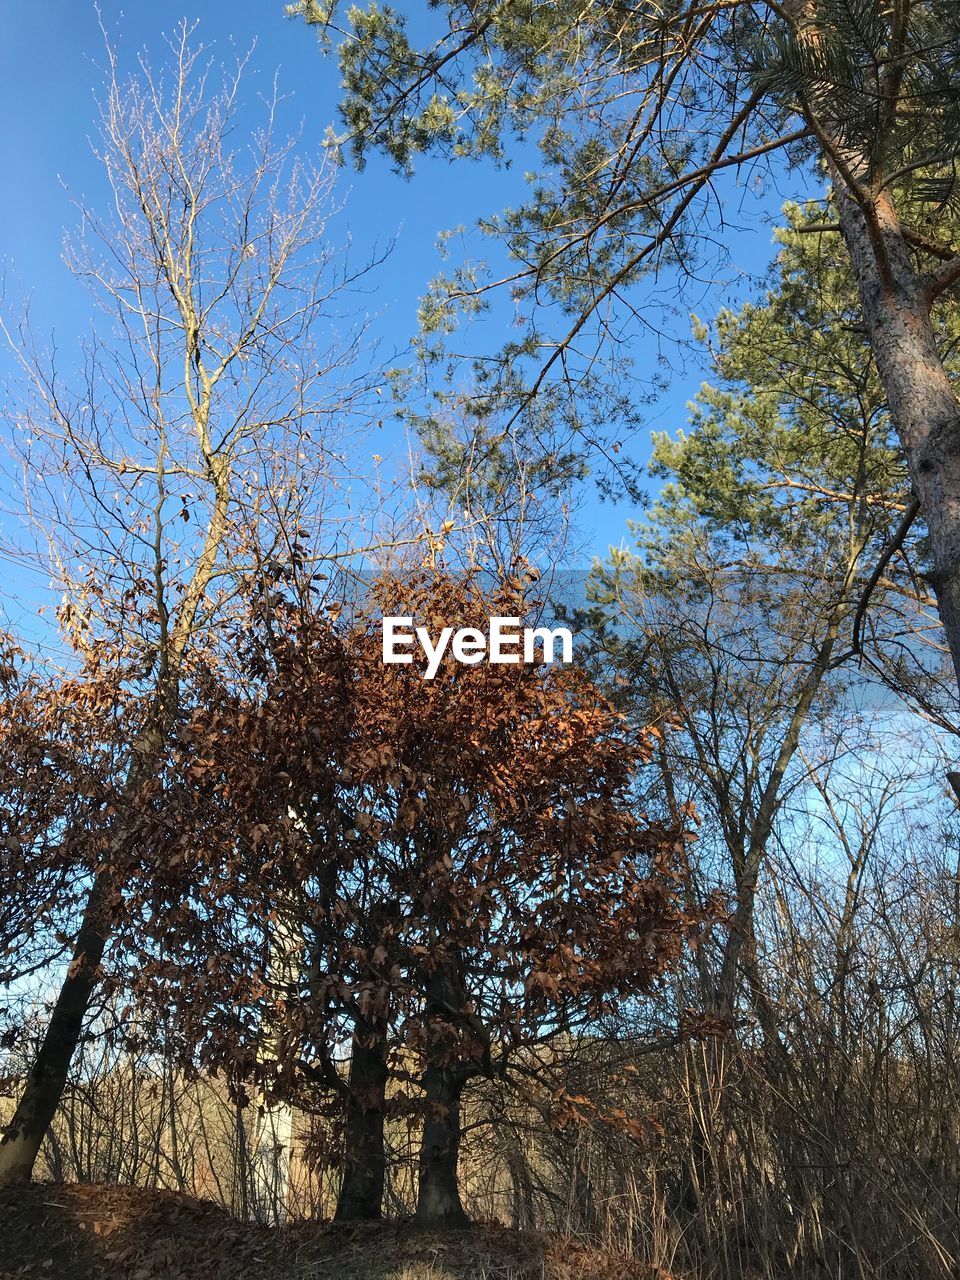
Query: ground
{"type": "Point", "coordinates": [124, 1233]}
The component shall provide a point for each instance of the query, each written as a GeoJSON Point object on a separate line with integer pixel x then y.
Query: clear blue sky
{"type": "Point", "coordinates": [50, 69]}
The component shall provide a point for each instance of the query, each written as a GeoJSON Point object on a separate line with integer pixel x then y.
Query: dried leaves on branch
{"type": "Point", "coordinates": [454, 869]}
{"type": "Point", "coordinates": [201, 430]}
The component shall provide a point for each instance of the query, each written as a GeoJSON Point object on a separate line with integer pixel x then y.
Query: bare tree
{"type": "Point", "coordinates": [203, 432]}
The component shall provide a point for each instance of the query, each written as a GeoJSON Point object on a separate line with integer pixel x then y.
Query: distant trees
{"type": "Point", "coordinates": [742, 615]}
{"type": "Point", "coordinates": [457, 865]}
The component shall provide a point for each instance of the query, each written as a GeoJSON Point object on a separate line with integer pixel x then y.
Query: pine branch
{"type": "Point", "coordinates": [946, 277]}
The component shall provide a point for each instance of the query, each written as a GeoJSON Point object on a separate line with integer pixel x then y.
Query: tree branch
{"type": "Point", "coordinates": [894, 545]}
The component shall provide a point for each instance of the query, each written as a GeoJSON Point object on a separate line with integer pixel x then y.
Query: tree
{"type": "Point", "coordinates": [640, 115]}
{"type": "Point", "coordinates": [192, 435]}
{"type": "Point", "coordinates": [61, 771]}
{"type": "Point", "coordinates": [741, 612]}
{"type": "Point", "coordinates": [467, 874]}
{"type": "Point", "coordinates": [740, 616]}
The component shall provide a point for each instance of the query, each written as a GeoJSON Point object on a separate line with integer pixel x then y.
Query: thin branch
{"type": "Point", "coordinates": [894, 545]}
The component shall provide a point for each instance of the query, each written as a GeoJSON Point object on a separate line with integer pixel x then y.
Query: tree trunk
{"type": "Point", "coordinates": [585, 1221]}
{"type": "Point", "coordinates": [270, 1162]}
{"type": "Point", "coordinates": [523, 1217]}
{"type": "Point", "coordinates": [450, 1063]}
{"type": "Point", "coordinates": [438, 1194]}
{"type": "Point", "coordinates": [924, 408]}
{"type": "Point", "coordinates": [897, 303]}
{"type": "Point", "coordinates": [23, 1136]}
{"type": "Point", "coordinates": [364, 1158]}
{"type": "Point", "coordinates": [273, 1131]}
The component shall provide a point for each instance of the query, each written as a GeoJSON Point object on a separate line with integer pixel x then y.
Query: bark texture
{"type": "Point", "coordinates": [446, 1074]}
{"type": "Point", "coordinates": [897, 305]}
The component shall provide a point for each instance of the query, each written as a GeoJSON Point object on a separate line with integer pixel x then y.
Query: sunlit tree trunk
{"type": "Point", "coordinates": [270, 1160]}
{"type": "Point", "coordinates": [923, 403]}
{"type": "Point", "coordinates": [273, 1129]}
{"type": "Point", "coordinates": [897, 304]}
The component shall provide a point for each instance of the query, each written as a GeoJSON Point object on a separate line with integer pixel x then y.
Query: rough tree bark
{"type": "Point", "coordinates": [897, 305]}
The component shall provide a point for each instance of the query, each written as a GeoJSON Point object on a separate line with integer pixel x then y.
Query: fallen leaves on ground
{"type": "Point", "coordinates": [92, 1232]}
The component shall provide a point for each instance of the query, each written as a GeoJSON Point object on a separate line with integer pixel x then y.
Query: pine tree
{"type": "Point", "coordinates": [638, 111]}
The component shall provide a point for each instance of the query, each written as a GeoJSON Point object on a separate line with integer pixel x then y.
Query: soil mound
{"type": "Point", "coordinates": [90, 1232]}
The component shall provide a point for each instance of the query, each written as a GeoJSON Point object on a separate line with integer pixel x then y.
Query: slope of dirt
{"type": "Point", "coordinates": [124, 1233]}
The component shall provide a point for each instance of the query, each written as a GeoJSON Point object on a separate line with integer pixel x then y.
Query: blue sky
{"type": "Point", "coordinates": [51, 63]}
